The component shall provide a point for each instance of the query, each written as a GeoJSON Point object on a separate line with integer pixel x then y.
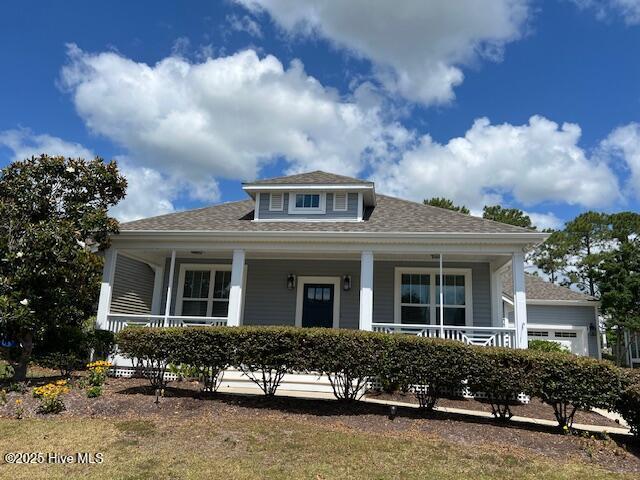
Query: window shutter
{"type": "Point", "coordinates": [340, 201]}
{"type": "Point", "coordinates": [275, 202]}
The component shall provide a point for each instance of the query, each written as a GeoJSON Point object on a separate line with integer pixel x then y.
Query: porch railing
{"type": "Point", "coordinates": [117, 321]}
{"type": "Point", "coordinates": [482, 336]}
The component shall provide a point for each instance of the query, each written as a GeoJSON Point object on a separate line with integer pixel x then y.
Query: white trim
{"type": "Point", "coordinates": [575, 303]}
{"type": "Point", "coordinates": [433, 272]}
{"type": "Point", "coordinates": [271, 207]}
{"type": "Point", "coordinates": [256, 209]}
{"type": "Point", "coordinates": [106, 288]}
{"type": "Point", "coordinates": [365, 321]}
{"type": "Point", "coordinates": [294, 187]}
{"type": "Point", "coordinates": [346, 202]}
{"type": "Point", "coordinates": [237, 288]}
{"type": "Point", "coordinates": [519, 300]}
{"type": "Point", "coordinates": [210, 267]}
{"type": "Point", "coordinates": [320, 210]}
{"type": "Point", "coordinates": [307, 220]}
{"type": "Point", "coordinates": [336, 281]}
{"type": "Point", "coordinates": [582, 330]}
{"type": "Point", "coordinates": [360, 207]}
{"type": "Point", "coordinates": [167, 309]}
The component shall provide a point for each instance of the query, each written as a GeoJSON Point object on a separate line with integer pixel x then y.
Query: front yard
{"type": "Point", "coordinates": [192, 435]}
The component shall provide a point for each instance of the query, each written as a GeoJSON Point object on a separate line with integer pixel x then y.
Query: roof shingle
{"type": "Point", "coordinates": [311, 178]}
{"type": "Point", "coordinates": [537, 288]}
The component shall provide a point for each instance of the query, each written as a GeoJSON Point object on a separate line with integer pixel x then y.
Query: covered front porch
{"type": "Point", "coordinates": [377, 289]}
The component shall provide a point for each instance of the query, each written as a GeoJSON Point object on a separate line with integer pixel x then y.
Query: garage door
{"type": "Point", "coordinates": [571, 339]}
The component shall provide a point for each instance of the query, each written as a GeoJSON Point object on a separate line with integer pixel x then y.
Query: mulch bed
{"type": "Point", "coordinates": [125, 399]}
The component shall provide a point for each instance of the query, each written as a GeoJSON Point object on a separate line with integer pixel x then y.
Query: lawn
{"type": "Point", "coordinates": [264, 447]}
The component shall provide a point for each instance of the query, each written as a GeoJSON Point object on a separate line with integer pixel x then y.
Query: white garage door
{"type": "Point", "coordinates": [573, 339]}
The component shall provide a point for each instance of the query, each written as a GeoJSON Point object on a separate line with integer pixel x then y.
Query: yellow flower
{"type": "Point", "coordinates": [19, 401]}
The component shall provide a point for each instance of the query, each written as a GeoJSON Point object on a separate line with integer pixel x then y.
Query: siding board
{"type": "Point", "coordinates": [132, 287]}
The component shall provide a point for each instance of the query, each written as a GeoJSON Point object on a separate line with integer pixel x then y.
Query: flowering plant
{"type": "Point", "coordinates": [50, 396]}
{"type": "Point", "coordinates": [98, 372]}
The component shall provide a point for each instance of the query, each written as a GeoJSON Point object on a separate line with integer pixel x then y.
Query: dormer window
{"type": "Point", "coordinates": [307, 203]}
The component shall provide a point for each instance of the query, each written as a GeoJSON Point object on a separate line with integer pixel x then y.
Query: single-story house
{"type": "Point", "coordinates": [325, 250]}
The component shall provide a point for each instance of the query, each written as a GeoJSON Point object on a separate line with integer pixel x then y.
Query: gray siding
{"type": "Point", "coordinates": [565, 315]}
{"type": "Point", "coordinates": [132, 287]}
{"type": "Point", "coordinates": [269, 302]}
{"type": "Point", "coordinates": [350, 214]}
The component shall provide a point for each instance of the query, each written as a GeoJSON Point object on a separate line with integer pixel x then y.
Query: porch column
{"type": "Point", "coordinates": [496, 298]}
{"type": "Point", "coordinates": [158, 279]}
{"type": "Point", "coordinates": [234, 316]}
{"type": "Point", "coordinates": [519, 300]}
{"type": "Point", "coordinates": [366, 291]}
{"type": "Point", "coordinates": [167, 308]}
{"type": "Point", "coordinates": [104, 302]}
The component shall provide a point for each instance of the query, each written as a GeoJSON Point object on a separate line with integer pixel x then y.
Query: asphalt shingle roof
{"type": "Point", "coordinates": [311, 178]}
{"type": "Point", "coordinates": [537, 288]}
{"type": "Point", "coordinates": [389, 215]}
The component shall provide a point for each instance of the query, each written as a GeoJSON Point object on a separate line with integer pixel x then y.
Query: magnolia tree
{"type": "Point", "coordinates": [54, 217]}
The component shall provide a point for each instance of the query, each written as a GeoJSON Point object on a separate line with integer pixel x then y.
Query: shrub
{"type": "Point", "coordinates": [94, 391]}
{"type": "Point", "coordinates": [433, 367]}
{"type": "Point", "coordinates": [206, 351]}
{"type": "Point", "coordinates": [65, 362]}
{"type": "Point", "coordinates": [569, 382]}
{"type": "Point", "coordinates": [151, 348]}
{"type": "Point", "coordinates": [98, 372]}
{"type": "Point", "coordinates": [266, 354]}
{"type": "Point", "coordinates": [547, 346]}
{"type": "Point", "coordinates": [628, 404]}
{"type": "Point", "coordinates": [347, 357]}
{"type": "Point", "coordinates": [501, 375]}
{"type": "Point", "coordinates": [50, 396]}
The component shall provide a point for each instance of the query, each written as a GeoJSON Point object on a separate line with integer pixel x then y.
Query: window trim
{"type": "Point", "coordinates": [346, 202]}
{"type": "Point", "coordinates": [434, 272]}
{"type": "Point", "coordinates": [320, 210]}
{"type": "Point", "coordinates": [212, 268]}
{"type": "Point", "coordinates": [271, 207]}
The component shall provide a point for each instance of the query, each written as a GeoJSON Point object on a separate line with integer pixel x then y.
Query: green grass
{"type": "Point", "coordinates": [264, 447]}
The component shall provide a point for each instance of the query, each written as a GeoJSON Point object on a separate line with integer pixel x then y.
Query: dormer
{"type": "Point", "coordinates": [311, 197]}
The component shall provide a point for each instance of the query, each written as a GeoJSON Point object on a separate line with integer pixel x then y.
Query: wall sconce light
{"type": "Point", "coordinates": [291, 281]}
{"type": "Point", "coordinates": [592, 330]}
{"type": "Point", "coordinates": [346, 283]}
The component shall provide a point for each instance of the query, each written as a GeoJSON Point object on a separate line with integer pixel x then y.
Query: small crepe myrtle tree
{"type": "Point", "coordinates": [54, 214]}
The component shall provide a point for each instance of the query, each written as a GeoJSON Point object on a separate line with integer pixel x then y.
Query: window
{"type": "Point", "coordinates": [340, 202]}
{"type": "Point", "coordinates": [418, 296]}
{"type": "Point", "coordinates": [275, 202]}
{"type": "Point", "coordinates": [566, 335]}
{"type": "Point", "coordinates": [204, 291]}
{"type": "Point", "coordinates": [307, 200]}
{"type": "Point", "coordinates": [538, 333]}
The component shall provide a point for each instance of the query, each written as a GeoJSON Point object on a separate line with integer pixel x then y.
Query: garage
{"type": "Point", "coordinates": [571, 338]}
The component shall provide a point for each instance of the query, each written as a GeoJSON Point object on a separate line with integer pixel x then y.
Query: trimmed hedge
{"type": "Point", "coordinates": [351, 358]}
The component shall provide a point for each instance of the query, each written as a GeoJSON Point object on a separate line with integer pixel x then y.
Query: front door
{"type": "Point", "coordinates": [317, 305]}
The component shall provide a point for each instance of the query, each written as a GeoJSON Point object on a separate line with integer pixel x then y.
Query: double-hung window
{"type": "Point", "coordinates": [204, 291]}
{"type": "Point", "coordinates": [418, 296]}
{"type": "Point", "coordinates": [307, 200]}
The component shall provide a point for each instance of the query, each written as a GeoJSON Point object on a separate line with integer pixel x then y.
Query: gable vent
{"type": "Point", "coordinates": [340, 201]}
{"type": "Point", "coordinates": [275, 201]}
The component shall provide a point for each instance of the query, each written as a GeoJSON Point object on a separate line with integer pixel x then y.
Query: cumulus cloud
{"type": "Point", "coordinates": [628, 10]}
{"type": "Point", "coordinates": [224, 117]}
{"type": "Point", "coordinates": [245, 24]}
{"type": "Point", "coordinates": [545, 220]}
{"type": "Point", "coordinates": [418, 48]}
{"type": "Point", "coordinates": [536, 162]}
{"type": "Point", "coordinates": [623, 145]}
{"type": "Point", "coordinates": [24, 144]}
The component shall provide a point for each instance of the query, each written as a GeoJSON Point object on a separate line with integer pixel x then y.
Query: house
{"type": "Point", "coordinates": [322, 250]}
{"type": "Point", "coordinates": [558, 314]}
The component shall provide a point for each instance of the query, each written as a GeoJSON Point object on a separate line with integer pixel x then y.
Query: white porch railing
{"type": "Point", "coordinates": [117, 321]}
{"type": "Point", "coordinates": [482, 336]}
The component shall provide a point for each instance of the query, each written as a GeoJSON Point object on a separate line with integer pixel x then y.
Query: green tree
{"type": "Point", "coordinates": [54, 216]}
{"type": "Point", "coordinates": [551, 255]}
{"type": "Point", "coordinates": [588, 237]}
{"type": "Point", "coordinates": [442, 202]}
{"type": "Point", "coordinates": [511, 216]}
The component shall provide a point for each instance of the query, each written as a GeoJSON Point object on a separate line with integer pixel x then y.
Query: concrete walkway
{"type": "Point", "coordinates": [622, 430]}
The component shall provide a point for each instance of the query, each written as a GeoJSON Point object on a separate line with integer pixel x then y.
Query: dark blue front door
{"type": "Point", "coordinates": [317, 305]}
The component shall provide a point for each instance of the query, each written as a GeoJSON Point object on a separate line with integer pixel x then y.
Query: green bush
{"type": "Point", "coordinates": [547, 346]}
{"type": "Point", "coordinates": [628, 405]}
{"type": "Point", "coordinates": [432, 367]}
{"type": "Point", "coordinates": [569, 382]}
{"type": "Point", "coordinates": [502, 374]}
{"type": "Point", "coordinates": [94, 391]}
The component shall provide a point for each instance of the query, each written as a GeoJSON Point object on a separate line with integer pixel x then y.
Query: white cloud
{"type": "Point", "coordinates": [417, 47]}
{"type": "Point", "coordinates": [244, 23]}
{"type": "Point", "coordinates": [225, 117]}
{"type": "Point", "coordinates": [535, 162]}
{"type": "Point", "coordinates": [624, 144]}
{"type": "Point", "coordinates": [25, 144]}
{"type": "Point", "coordinates": [545, 220]}
{"type": "Point", "coordinates": [629, 10]}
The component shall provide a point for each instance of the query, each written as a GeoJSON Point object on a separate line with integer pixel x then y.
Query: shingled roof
{"type": "Point", "coordinates": [537, 288]}
{"type": "Point", "coordinates": [311, 178]}
{"type": "Point", "coordinates": [389, 215]}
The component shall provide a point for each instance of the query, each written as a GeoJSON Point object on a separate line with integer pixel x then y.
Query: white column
{"type": "Point", "coordinates": [519, 300]}
{"type": "Point", "coordinates": [366, 291]}
{"type": "Point", "coordinates": [156, 302]}
{"type": "Point", "coordinates": [104, 302]}
{"type": "Point", "coordinates": [496, 298]}
{"type": "Point", "coordinates": [167, 308]}
{"type": "Point", "coordinates": [234, 317]}
{"type": "Point", "coordinates": [441, 299]}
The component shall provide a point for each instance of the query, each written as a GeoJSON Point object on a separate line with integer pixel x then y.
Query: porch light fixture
{"type": "Point", "coordinates": [346, 283]}
{"type": "Point", "coordinates": [291, 281]}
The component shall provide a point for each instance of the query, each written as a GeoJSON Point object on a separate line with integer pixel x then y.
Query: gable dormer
{"type": "Point", "coordinates": [314, 196]}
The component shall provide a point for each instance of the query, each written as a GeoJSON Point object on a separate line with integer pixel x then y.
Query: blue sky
{"type": "Point", "coordinates": [532, 104]}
